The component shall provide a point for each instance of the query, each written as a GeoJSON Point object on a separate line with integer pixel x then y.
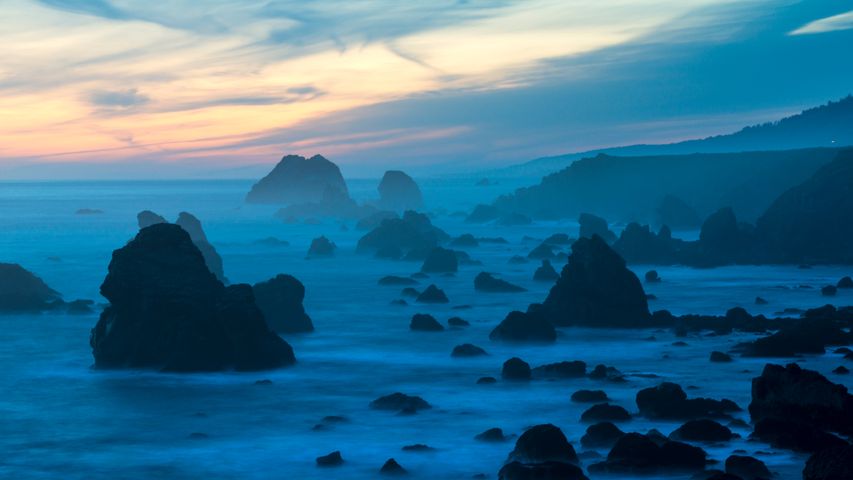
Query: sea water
{"type": "Point", "coordinates": [60, 418]}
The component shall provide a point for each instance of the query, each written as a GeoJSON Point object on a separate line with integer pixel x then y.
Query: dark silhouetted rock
{"type": "Point", "coordinates": [333, 459]}
{"type": "Point", "coordinates": [605, 412]}
{"type": "Point", "coordinates": [417, 447]}
{"type": "Point", "coordinates": [601, 435]}
{"type": "Point", "coordinates": [543, 443]}
{"type": "Point", "coordinates": [841, 370]}
{"type": "Point", "coordinates": [540, 471]}
{"type": "Point", "coordinates": [591, 225]}
{"type": "Point", "coordinates": [794, 435]}
{"type": "Point", "coordinates": [524, 327]}
{"type": "Point", "coordinates": [760, 301]}
{"type": "Point", "coordinates": [457, 322]}
{"type": "Point", "coordinates": [22, 291]}
{"type": "Point", "coordinates": [425, 323]}
{"type": "Point", "coordinates": [676, 213]}
{"type": "Point", "coordinates": [482, 214]}
{"type": "Point", "coordinates": [395, 280]}
{"type": "Point", "coordinates": [400, 402]}
{"type": "Point", "coordinates": [516, 369]}
{"type": "Point", "coordinates": [702, 430]}
{"type": "Point", "coordinates": [146, 218]}
{"type": "Point", "coordinates": [793, 394]}
{"type": "Point", "coordinates": [412, 232]}
{"type": "Point", "coordinates": [280, 300]}
{"type": "Point", "coordinates": [596, 289]}
{"type": "Point", "coordinates": [589, 396]}
{"type": "Point", "coordinates": [89, 211]}
{"type": "Point", "coordinates": [603, 372]}
{"type": "Point", "coordinates": [845, 283]}
{"type": "Point", "coordinates": [432, 294]}
{"type": "Point", "coordinates": [486, 380]}
{"type": "Point", "coordinates": [440, 260]}
{"type": "Point", "coordinates": [637, 244]}
{"type": "Point", "coordinates": [635, 453]}
{"type": "Point", "coordinates": [542, 252]}
{"type": "Point", "coordinates": [296, 179]}
{"type": "Point", "coordinates": [398, 191]}
{"type": "Point", "coordinates": [491, 435]}
{"type": "Point", "coordinates": [467, 350]}
{"type": "Point", "coordinates": [485, 282]}
{"type": "Point", "coordinates": [464, 241]}
{"type": "Point", "coordinates": [747, 468]}
{"type": "Point", "coordinates": [192, 225]}
{"type": "Point", "coordinates": [321, 247]}
{"type": "Point", "coordinates": [829, 291]}
{"type": "Point", "coordinates": [374, 220]}
{"type": "Point", "coordinates": [652, 276]}
{"type": "Point", "coordinates": [392, 468]}
{"type": "Point", "coordinates": [720, 357]}
{"type": "Point", "coordinates": [168, 311]}
{"type": "Point", "coordinates": [557, 370]}
{"type": "Point", "coordinates": [668, 400]}
{"type": "Point", "coordinates": [545, 272]}
{"type": "Point", "coordinates": [834, 463]}
{"type": "Point", "coordinates": [723, 240]}
{"type": "Point", "coordinates": [818, 329]}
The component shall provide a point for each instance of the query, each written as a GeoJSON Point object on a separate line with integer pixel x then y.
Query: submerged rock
{"type": "Point", "coordinates": [398, 191]}
{"type": "Point", "coordinates": [457, 322]}
{"type": "Point", "coordinates": [545, 272]}
{"type": "Point", "coordinates": [321, 247]}
{"type": "Point", "coordinates": [485, 282]}
{"type": "Point", "coordinates": [596, 289]}
{"type": "Point", "coordinates": [845, 283]}
{"type": "Point", "coordinates": [168, 311]}
{"type": "Point", "coordinates": [572, 369]}
{"type": "Point", "coordinates": [280, 299]}
{"type": "Point", "coordinates": [21, 291]}
{"type": "Point", "coordinates": [395, 280]}
{"type": "Point", "coordinates": [465, 240]}
{"type": "Point", "coordinates": [440, 260]}
{"type": "Point", "coordinates": [401, 402]}
{"type": "Point", "coordinates": [491, 435]}
{"type": "Point", "coordinates": [432, 294]}
{"type": "Point", "coordinates": [333, 459]}
{"type": "Point", "coordinates": [296, 179]}
{"type": "Point", "coordinates": [524, 327]}
{"type": "Point", "coordinates": [467, 350]}
{"type": "Point", "coordinates": [425, 323]}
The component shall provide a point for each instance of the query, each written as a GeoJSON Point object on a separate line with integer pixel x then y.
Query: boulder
{"type": "Point", "coordinates": [605, 412]}
{"type": "Point", "coordinates": [321, 247]}
{"type": "Point", "coordinates": [845, 283]}
{"type": "Point", "coordinates": [432, 294]}
{"type": "Point", "coordinates": [373, 220]}
{"type": "Point", "coordinates": [748, 468]}
{"type": "Point", "coordinates": [491, 435]}
{"type": "Point", "coordinates": [440, 260]}
{"type": "Point", "coordinates": [296, 179]}
{"type": "Point", "coordinates": [635, 453]}
{"type": "Point", "coordinates": [603, 372]}
{"type": "Point", "coordinates": [168, 311]}
{"type": "Point", "coordinates": [702, 430]}
{"type": "Point", "coordinates": [540, 471]}
{"type": "Point", "coordinates": [829, 291]}
{"type": "Point", "coordinates": [589, 396]}
{"type": "Point", "coordinates": [21, 291]}
{"type": "Point", "coordinates": [591, 225]}
{"type": "Point", "coordinates": [668, 401]}
{"type": "Point", "coordinates": [192, 225]}
{"type": "Point", "coordinates": [333, 459]}
{"type": "Point", "coordinates": [524, 327]}
{"type": "Point", "coordinates": [425, 323]}
{"type": "Point", "coordinates": [601, 435]}
{"type": "Point", "coordinates": [400, 402]}
{"type": "Point", "coordinates": [596, 289]}
{"type": "Point", "coordinates": [467, 350]}
{"type": "Point", "coordinates": [720, 357]}
{"type": "Point", "coordinates": [457, 322]}
{"type": "Point", "coordinates": [485, 282]}
{"type": "Point", "coordinates": [652, 276]}
{"type": "Point", "coordinates": [573, 369]}
{"type": "Point", "coordinates": [392, 468]}
{"type": "Point", "coordinates": [398, 191]}
{"type": "Point", "coordinates": [516, 369]}
{"type": "Point", "coordinates": [543, 443]}
{"type": "Point", "coordinates": [545, 272]}
{"type": "Point", "coordinates": [834, 463]}
{"type": "Point", "coordinates": [280, 299]}
{"type": "Point", "coordinates": [412, 232]}
{"type": "Point", "coordinates": [793, 394]}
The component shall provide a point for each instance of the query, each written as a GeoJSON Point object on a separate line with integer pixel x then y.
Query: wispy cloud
{"type": "Point", "coordinates": [842, 21]}
{"type": "Point", "coordinates": [118, 98]}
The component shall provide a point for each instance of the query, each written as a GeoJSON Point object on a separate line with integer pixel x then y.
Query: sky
{"type": "Point", "coordinates": [224, 88]}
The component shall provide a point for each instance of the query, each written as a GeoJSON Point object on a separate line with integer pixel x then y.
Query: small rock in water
{"type": "Point", "coordinates": [333, 459]}
{"type": "Point", "coordinates": [391, 467]}
{"type": "Point", "coordinates": [516, 369]}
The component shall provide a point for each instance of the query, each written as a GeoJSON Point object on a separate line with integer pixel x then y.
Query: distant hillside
{"type": "Point", "coordinates": [829, 125]}
{"type": "Point", "coordinates": [632, 188]}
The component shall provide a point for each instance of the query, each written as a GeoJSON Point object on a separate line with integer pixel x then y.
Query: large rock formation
{"type": "Point", "coordinates": [22, 291]}
{"type": "Point", "coordinates": [528, 326]}
{"type": "Point", "coordinates": [412, 232]}
{"type": "Point", "coordinates": [398, 191]}
{"type": "Point", "coordinates": [668, 400]}
{"type": "Point", "coordinates": [280, 300]}
{"type": "Point", "coordinates": [297, 179]}
{"type": "Point", "coordinates": [146, 218]}
{"type": "Point", "coordinates": [591, 225]}
{"type": "Point", "coordinates": [192, 225]}
{"type": "Point", "coordinates": [723, 240]}
{"type": "Point", "coordinates": [635, 453]}
{"type": "Point", "coordinates": [168, 311]}
{"type": "Point", "coordinates": [440, 260]}
{"type": "Point", "coordinates": [485, 282]}
{"type": "Point", "coordinates": [596, 289]}
{"type": "Point", "coordinates": [676, 213]}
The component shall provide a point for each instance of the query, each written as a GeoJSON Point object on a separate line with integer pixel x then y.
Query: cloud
{"type": "Point", "coordinates": [842, 21]}
{"type": "Point", "coordinates": [98, 8]}
{"type": "Point", "coordinates": [118, 98]}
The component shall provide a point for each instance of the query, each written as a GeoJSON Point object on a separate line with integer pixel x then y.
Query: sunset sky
{"type": "Point", "coordinates": [146, 89]}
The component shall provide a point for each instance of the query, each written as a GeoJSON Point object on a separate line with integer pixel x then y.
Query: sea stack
{"type": "Point", "coordinates": [398, 191]}
{"type": "Point", "coordinates": [296, 179]}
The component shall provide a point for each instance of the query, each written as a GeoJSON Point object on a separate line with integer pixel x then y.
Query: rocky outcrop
{"type": "Point", "coordinates": [702, 430]}
{"type": "Point", "coordinates": [485, 282]}
{"type": "Point", "coordinates": [482, 214]}
{"type": "Point", "coordinates": [558, 370]}
{"type": "Point", "coordinates": [589, 396]}
{"type": "Point", "coordinates": [192, 225]}
{"type": "Point", "coordinates": [605, 412]}
{"type": "Point", "coordinates": [22, 292]}
{"type": "Point", "coordinates": [168, 311]}
{"type": "Point", "coordinates": [516, 369]}
{"type": "Point", "coordinates": [834, 463]}
{"type": "Point", "coordinates": [440, 260]}
{"type": "Point", "coordinates": [425, 323]}
{"type": "Point", "coordinates": [723, 240]}
{"type": "Point", "coordinates": [635, 453]}
{"type": "Point", "coordinates": [280, 299]}
{"type": "Point", "coordinates": [467, 350]}
{"type": "Point", "coordinates": [668, 401]}
{"type": "Point", "coordinates": [398, 191]}
{"type": "Point", "coordinates": [146, 218]}
{"type": "Point", "coordinates": [432, 294]}
{"type": "Point", "coordinates": [524, 327]}
{"type": "Point", "coordinates": [321, 247]}
{"type": "Point", "coordinates": [596, 289]}
{"type": "Point", "coordinates": [591, 225]}
{"type": "Point", "coordinates": [748, 468]}
{"type": "Point", "coordinates": [601, 435]}
{"type": "Point", "coordinates": [412, 232]}
{"type": "Point", "coordinates": [545, 272]}
{"type": "Point", "coordinates": [819, 328]}
{"type": "Point", "coordinates": [297, 179]}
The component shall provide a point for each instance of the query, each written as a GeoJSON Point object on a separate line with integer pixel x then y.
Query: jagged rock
{"type": "Point", "coordinates": [280, 299]}
{"type": "Point", "coordinates": [440, 260]}
{"type": "Point", "coordinates": [542, 252]}
{"type": "Point", "coordinates": [516, 369]}
{"type": "Point", "coordinates": [720, 357]}
{"type": "Point", "coordinates": [637, 244]}
{"type": "Point", "coordinates": [321, 247]}
{"type": "Point", "coordinates": [676, 213]}
{"type": "Point", "coordinates": [192, 225]}
{"type": "Point", "coordinates": [589, 396]}
{"type": "Point", "coordinates": [485, 282]}
{"type": "Point", "coordinates": [146, 218]}
{"type": "Point", "coordinates": [601, 435]}
{"type": "Point", "coordinates": [296, 179]}
{"type": "Point", "coordinates": [168, 311]}
{"type": "Point", "coordinates": [605, 412]}
{"type": "Point", "coordinates": [425, 323]}
{"type": "Point", "coordinates": [668, 400]}
{"type": "Point", "coordinates": [392, 468]}
{"type": "Point", "coordinates": [398, 191]}
{"type": "Point", "coordinates": [596, 289]}
{"type": "Point", "coordinates": [702, 430]}
{"type": "Point", "coordinates": [818, 329]}
{"type": "Point", "coordinates": [467, 350]}
{"type": "Point", "coordinates": [524, 327]}
{"type": "Point", "coordinates": [491, 435]}
{"type": "Point", "coordinates": [432, 294]}
{"type": "Point", "coordinates": [22, 291]}
{"type": "Point", "coordinates": [457, 322]}
{"type": "Point", "coordinates": [333, 459]}
{"type": "Point", "coordinates": [412, 232]}
{"type": "Point", "coordinates": [845, 283]}
{"type": "Point", "coordinates": [545, 272]}
{"type": "Point", "coordinates": [465, 240]}
{"type": "Point", "coordinates": [747, 468]}
{"type": "Point", "coordinates": [400, 402]}
{"type": "Point", "coordinates": [793, 394]}
{"type": "Point", "coordinates": [572, 369]}
{"type": "Point", "coordinates": [635, 453]}
{"type": "Point", "coordinates": [395, 280]}
{"type": "Point", "coordinates": [834, 463]}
